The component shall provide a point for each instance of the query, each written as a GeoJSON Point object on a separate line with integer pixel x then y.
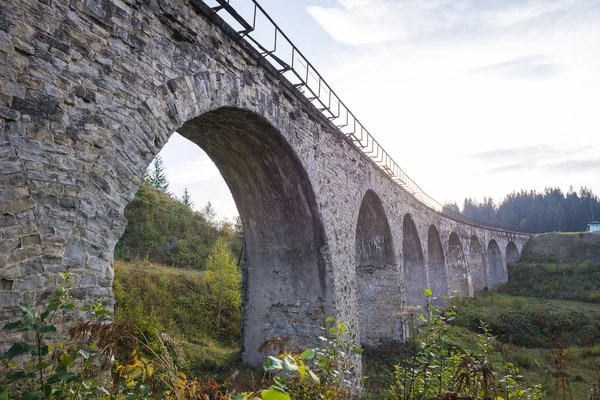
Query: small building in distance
{"type": "Point", "coordinates": [593, 226]}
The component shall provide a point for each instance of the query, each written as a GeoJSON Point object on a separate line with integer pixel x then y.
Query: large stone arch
{"type": "Point", "coordinates": [286, 289]}
{"type": "Point", "coordinates": [378, 294]}
{"type": "Point", "coordinates": [512, 253]}
{"type": "Point", "coordinates": [477, 264]}
{"type": "Point", "coordinates": [415, 280]}
{"type": "Point", "coordinates": [496, 272]}
{"type": "Point", "coordinates": [458, 276]}
{"type": "Point", "coordinates": [438, 277]}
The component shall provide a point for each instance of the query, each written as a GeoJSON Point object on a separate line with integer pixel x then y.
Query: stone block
{"type": "Point", "coordinates": [30, 240]}
{"type": "Point", "coordinates": [8, 299]}
{"type": "Point", "coordinates": [21, 192]}
{"type": "Point", "coordinates": [30, 284]}
{"type": "Point", "coordinates": [16, 206]}
{"type": "Point", "coordinates": [75, 254]}
{"type": "Point", "coordinates": [11, 273]}
{"type": "Point", "coordinates": [25, 254]}
{"type": "Point", "coordinates": [7, 194]}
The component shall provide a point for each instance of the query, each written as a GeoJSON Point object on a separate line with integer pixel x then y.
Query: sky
{"type": "Point", "coordinates": [471, 98]}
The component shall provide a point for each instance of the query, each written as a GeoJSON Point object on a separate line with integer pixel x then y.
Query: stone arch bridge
{"type": "Point", "coordinates": [90, 92]}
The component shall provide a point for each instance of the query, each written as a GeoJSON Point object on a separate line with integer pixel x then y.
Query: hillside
{"type": "Point", "coordinates": [158, 298]}
{"type": "Point", "coordinates": [557, 247]}
{"type": "Point", "coordinates": [169, 231]}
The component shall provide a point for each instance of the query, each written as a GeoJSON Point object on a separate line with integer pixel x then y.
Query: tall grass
{"type": "Point", "coordinates": [175, 300]}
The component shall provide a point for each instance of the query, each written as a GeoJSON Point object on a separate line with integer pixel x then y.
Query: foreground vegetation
{"type": "Point", "coordinates": [48, 365]}
{"type": "Point", "coordinates": [150, 365]}
{"type": "Point", "coordinates": [206, 361]}
{"type": "Point", "coordinates": [530, 337]}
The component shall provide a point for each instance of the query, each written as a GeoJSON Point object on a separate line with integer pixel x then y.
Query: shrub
{"type": "Point", "coordinates": [594, 297]}
{"type": "Point", "coordinates": [436, 368]}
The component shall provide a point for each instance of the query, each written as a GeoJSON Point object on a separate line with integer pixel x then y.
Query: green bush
{"type": "Point", "coordinates": [594, 296]}
{"type": "Point", "coordinates": [436, 368]}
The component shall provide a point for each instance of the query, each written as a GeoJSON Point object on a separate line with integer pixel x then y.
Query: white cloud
{"type": "Point", "coordinates": [367, 22]}
{"type": "Point", "coordinates": [454, 78]}
{"type": "Point", "coordinates": [200, 169]}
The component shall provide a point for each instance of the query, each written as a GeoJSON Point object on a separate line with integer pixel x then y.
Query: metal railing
{"type": "Point", "coordinates": [291, 63]}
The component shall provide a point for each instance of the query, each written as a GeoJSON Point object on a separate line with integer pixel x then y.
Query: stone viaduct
{"type": "Point", "coordinates": [90, 92]}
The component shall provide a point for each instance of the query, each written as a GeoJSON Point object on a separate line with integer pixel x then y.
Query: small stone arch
{"type": "Point", "coordinates": [415, 281]}
{"type": "Point", "coordinates": [378, 294]}
{"type": "Point", "coordinates": [438, 277]}
{"type": "Point", "coordinates": [512, 253]}
{"type": "Point", "coordinates": [477, 264]}
{"type": "Point", "coordinates": [457, 267]}
{"type": "Point", "coordinates": [496, 272]}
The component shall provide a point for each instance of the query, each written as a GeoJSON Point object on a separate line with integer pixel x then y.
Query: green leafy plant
{"type": "Point", "coordinates": [323, 372]}
{"type": "Point", "coordinates": [50, 366]}
{"type": "Point", "coordinates": [435, 368]}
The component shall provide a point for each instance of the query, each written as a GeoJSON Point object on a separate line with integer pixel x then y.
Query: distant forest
{"type": "Point", "coordinates": [533, 212]}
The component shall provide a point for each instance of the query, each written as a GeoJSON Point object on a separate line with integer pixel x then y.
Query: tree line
{"type": "Point", "coordinates": [536, 212]}
{"type": "Point", "coordinates": [168, 229]}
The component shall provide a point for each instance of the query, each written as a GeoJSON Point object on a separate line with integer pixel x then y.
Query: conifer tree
{"type": "Point", "coordinates": [157, 175]}
{"type": "Point", "coordinates": [209, 213]}
{"type": "Point", "coordinates": [186, 199]}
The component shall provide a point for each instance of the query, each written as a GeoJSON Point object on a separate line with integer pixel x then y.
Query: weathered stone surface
{"type": "Point", "coordinates": [91, 91]}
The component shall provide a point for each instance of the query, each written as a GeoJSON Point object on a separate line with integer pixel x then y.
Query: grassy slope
{"type": "Point", "coordinates": [563, 247]}
{"type": "Point", "coordinates": [156, 297]}
{"type": "Point", "coordinates": [171, 299]}
{"type": "Point", "coordinates": [526, 327]}
{"type": "Point", "coordinates": [528, 321]}
{"type": "Point", "coordinates": [570, 281]}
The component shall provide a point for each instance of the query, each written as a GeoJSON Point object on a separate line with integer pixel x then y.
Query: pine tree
{"type": "Point", "coordinates": [186, 199]}
{"type": "Point", "coordinates": [209, 213]}
{"type": "Point", "coordinates": [157, 175]}
{"type": "Point", "coordinates": [146, 177]}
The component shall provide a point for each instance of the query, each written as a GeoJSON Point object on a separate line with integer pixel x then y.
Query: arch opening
{"type": "Point", "coordinates": [495, 265]}
{"type": "Point", "coordinates": [284, 280]}
{"type": "Point", "coordinates": [285, 287]}
{"type": "Point", "coordinates": [477, 264]}
{"type": "Point", "coordinates": [378, 294]}
{"type": "Point", "coordinates": [415, 280]}
{"type": "Point", "coordinates": [512, 253]}
{"type": "Point", "coordinates": [438, 278]}
{"type": "Point", "coordinates": [458, 276]}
